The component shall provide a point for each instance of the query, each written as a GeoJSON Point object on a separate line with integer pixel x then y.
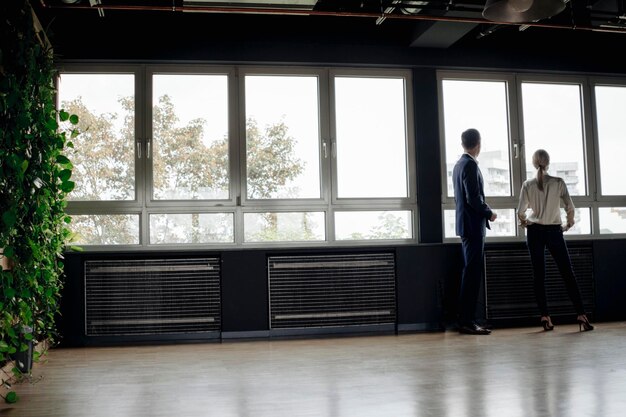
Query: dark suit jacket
{"type": "Point", "coordinates": [472, 213]}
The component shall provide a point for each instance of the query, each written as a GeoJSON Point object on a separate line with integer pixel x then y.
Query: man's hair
{"type": "Point", "coordinates": [470, 138]}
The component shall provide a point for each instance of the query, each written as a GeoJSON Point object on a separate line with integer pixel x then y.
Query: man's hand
{"type": "Point", "coordinates": [493, 217]}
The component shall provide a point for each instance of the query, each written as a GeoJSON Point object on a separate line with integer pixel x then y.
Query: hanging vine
{"type": "Point", "coordinates": [34, 182]}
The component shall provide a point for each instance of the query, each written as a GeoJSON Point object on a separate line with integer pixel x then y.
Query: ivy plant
{"type": "Point", "coordinates": [35, 178]}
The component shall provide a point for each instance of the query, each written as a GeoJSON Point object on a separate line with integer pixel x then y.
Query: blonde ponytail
{"type": "Point", "coordinates": [541, 160]}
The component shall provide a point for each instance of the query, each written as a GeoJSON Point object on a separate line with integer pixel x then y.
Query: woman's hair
{"type": "Point", "coordinates": [541, 160]}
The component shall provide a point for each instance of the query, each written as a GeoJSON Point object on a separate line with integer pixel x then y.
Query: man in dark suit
{"type": "Point", "coordinates": [472, 219]}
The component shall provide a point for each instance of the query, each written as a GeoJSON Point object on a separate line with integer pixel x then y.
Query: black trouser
{"type": "Point", "coordinates": [538, 237]}
{"type": "Point", "coordinates": [473, 250]}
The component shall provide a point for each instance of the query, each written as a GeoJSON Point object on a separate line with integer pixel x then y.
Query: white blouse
{"type": "Point", "coordinates": [545, 205]}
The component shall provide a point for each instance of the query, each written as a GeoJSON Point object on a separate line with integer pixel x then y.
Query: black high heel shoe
{"type": "Point", "coordinates": [583, 324]}
{"type": "Point", "coordinates": [546, 323]}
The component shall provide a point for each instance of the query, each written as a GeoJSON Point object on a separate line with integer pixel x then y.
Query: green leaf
{"type": "Point", "coordinates": [68, 186]}
{"type": "Point", "coordinates": [28, 336]}
{"type": "Point", "coordinates": [8, 251]}
{"type": "Point", "coordinates": [9, 292]}
{"type": "Point", "coordinates": [9, 217]}
{"type": "Point", "coordinates": [62, 159]}
{"type": "Point", "coordinates": [74, 119]}
{"type": "Point", "coordinates": [63, 115]}
{"type": "Point", "coordinates": [65, 174]}
{"type": "Point", "coordinates": [11, 397]}
{"type": "Point", "coordinates": [24, 166]}
{"type": "Point", "coordinates": [52, 124]}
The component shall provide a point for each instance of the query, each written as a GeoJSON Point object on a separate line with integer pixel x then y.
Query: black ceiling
{"type": "Point", "coordinates": [436, 26]}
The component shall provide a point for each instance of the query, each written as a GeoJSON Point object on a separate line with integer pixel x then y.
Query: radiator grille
{"type": "Point", "coordinates": [509, 283]}
{"type": "Point", "coordinates": [332, 290]}
{"type": "Point", "coordinates": [155, 296]}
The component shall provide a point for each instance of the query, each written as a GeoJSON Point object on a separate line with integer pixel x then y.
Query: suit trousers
{"type": "Point", "coordinates": [538, 238]}
{"type": "Point", "coordinates": [473, 255]}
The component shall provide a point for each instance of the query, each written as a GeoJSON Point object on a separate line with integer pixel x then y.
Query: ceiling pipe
{"type": "Point", "coordinates": [278, 11]}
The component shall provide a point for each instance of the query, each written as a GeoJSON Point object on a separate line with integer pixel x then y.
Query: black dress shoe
{"type": "Point", "coordinates": [473, 328]}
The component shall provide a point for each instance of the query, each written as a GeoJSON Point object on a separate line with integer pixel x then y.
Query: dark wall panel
{"type": "Point", "coordinates": [610, 279]}
{"type": "Point", "coordinates": [428, 156]}
{"type": "Point", "coordinates": [427, 284]}
{"type": "Point", "coordinates": [244, 291]}
{"type": "Point", "coordinates": [71, 323]}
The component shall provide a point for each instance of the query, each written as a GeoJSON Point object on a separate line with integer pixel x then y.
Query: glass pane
{"type": "Point", "coordinates": [191, 228]}
{"type": "Point", "coordinates": [105, 229]}
{"type": "Point", "coordinates": [371, 137]}
{"type": "Point", "coordinates": [449, 223]}
{"type": "Point", "coordinates": [284, 227]}
{"type": "Point", "coordinates": [553, 121]}
{"type": "Point", "coordinates": [190, 137]}
{"type": "Point", "coordinates": [282, 137]}
{"type": "Point", "coordinates": [582, 218]}
{"type": "Point", "coordinates": [612, 220]}
{"type": "Point", "coordinates": [505, 224]}
{"type": "Point", "coordinates": [368, 225]}
{"type": "Point", "coordinates": [610, 111]}
{"type": "Point", "coordinates": [104, 152]}
{"type": "Point", "coordinates": [481, 105]}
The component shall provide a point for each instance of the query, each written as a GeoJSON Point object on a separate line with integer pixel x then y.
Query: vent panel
{"type": "Point", "coordinates": [153, 296]}
{"type": "Point", "coordinates": [509, 283]}
{"type": "Point", "coordinates": [332, 290]}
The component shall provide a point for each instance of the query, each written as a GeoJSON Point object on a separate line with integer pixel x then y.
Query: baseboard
{"type": "Point", "coordinates": [419, 327]}
{"type": "Point", "coordinates": [255, 334]}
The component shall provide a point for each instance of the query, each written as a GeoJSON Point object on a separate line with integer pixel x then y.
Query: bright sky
{"type": "Point", "coordinates": [100, 94]}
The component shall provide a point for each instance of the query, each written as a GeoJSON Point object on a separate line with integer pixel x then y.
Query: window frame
{"type": "Point", "coordinates": [517, 142]}
{"type": "Point", "coordinates": [233, 169]}
{"type": "Point", "coordinates": [145, 205]}
{"type": "Point", "coordinates": [270, 204]}
{"type": "Point", "coordinates": [495, 202]}
{"type": "Point", "coordinates": [601, 200]}
{"type": "Point", "coordinates": [410, 163]}
{"type": "Point", "coordinates": [96, 206]}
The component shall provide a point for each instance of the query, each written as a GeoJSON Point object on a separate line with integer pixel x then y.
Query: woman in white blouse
{"type": "Point", "coordinates": [543, 195]}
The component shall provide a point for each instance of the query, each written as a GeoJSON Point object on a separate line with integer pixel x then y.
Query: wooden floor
{"type": "Point", "coordinates": [514, 372]}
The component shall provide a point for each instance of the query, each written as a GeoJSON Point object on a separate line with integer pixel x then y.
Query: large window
{"type": "Point", "coordinates": [200, 156]}
{"type": "Point", "coordinates": [282, 137]}
{"type": "Point", "coordinates": [610, 110]}
{"type": "Point", "coordinates": [482, 105]}
{"type": "Point", "coordinates": [103, 154]}
{"type": "Point", "coordinates": [517, 115]}
{"type": "Point", "coordinates": [610, 107]}
{"type": "Point", "coordinates": [190, 136]}
{"type": "Point", "coordinates": [371, 137]}
{"type": "Point", "coordinates": [553, 120]}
